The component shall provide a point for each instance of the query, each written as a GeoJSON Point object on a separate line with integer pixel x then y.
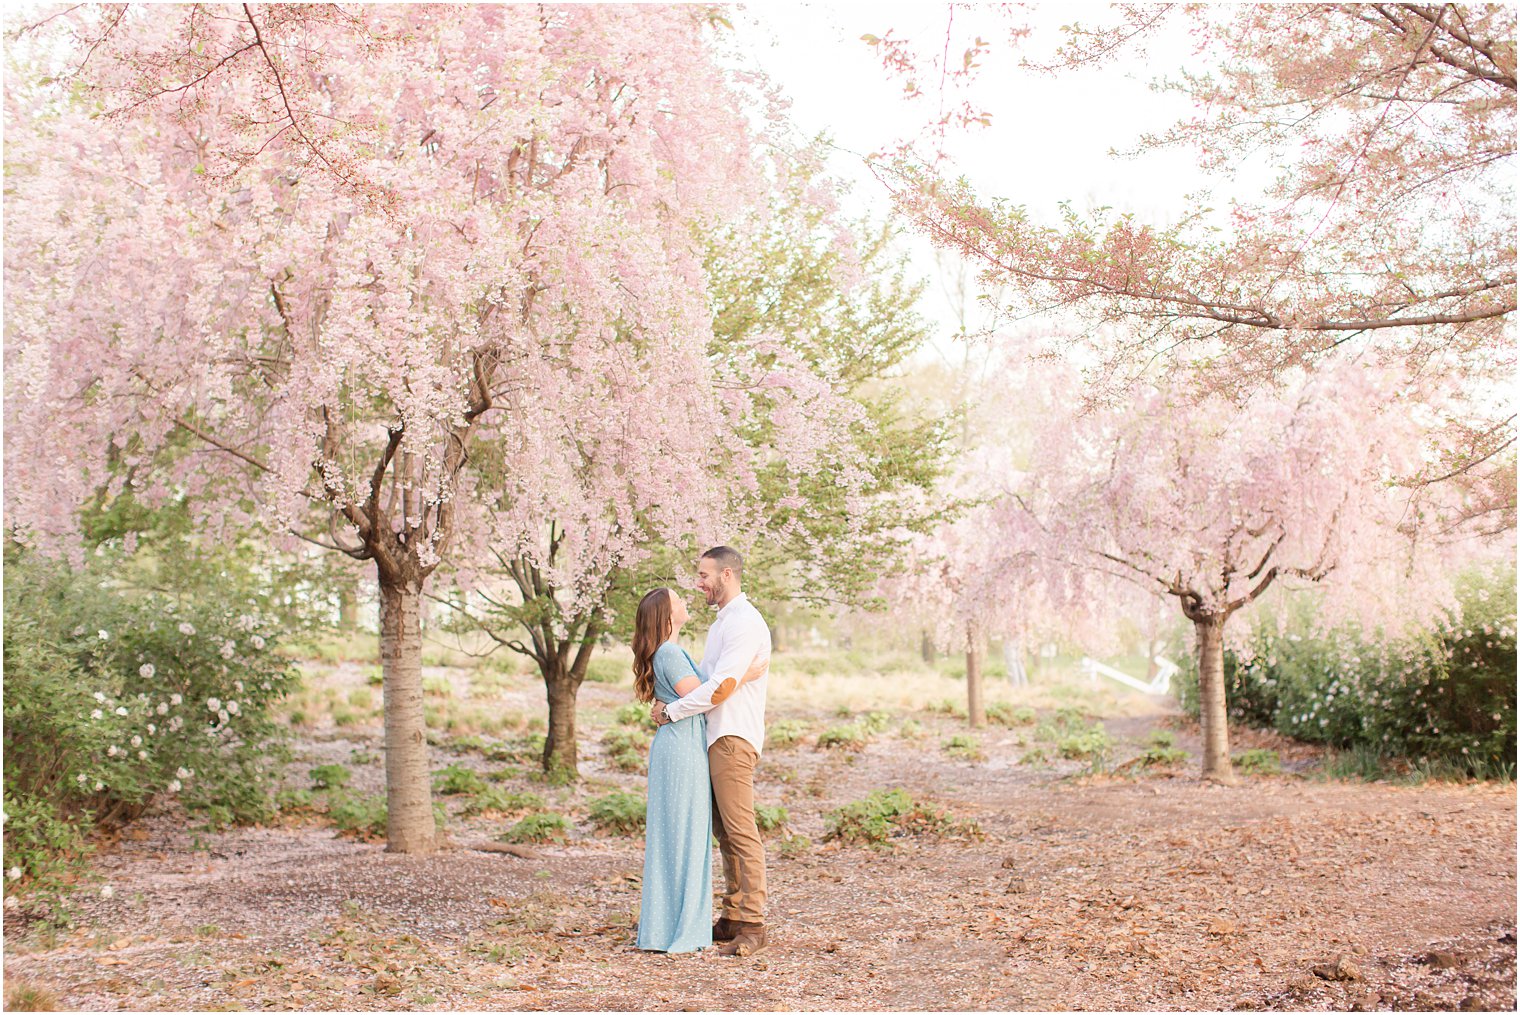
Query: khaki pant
{"type": "Point", "coordinates": [731, 761]}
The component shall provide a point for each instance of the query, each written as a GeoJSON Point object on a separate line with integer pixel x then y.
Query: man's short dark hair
{"type": "Point", "coordinates": [726, 556]}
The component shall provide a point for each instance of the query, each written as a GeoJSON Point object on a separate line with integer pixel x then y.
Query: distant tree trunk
{"type": "Point", "coordinates": [348, 604]}
{"type": "Point", "coordinates": [926, 648]}
{"type": "Point", "coordinates": [976, 713]}
{"type": "Point", "coordinates": [409, 824]}
{"type": "Point", "coordinates": [1152, 667]}
{"type": "Point", "coordinates": [1013, 657]}
{"type": "Point", "coordinates": [1212, 711]}
{"type": "Point", "coordinates": [778, 638]}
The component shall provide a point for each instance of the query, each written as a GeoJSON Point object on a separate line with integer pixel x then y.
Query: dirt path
{"type": "Point", "coordinates": [1086, 893]}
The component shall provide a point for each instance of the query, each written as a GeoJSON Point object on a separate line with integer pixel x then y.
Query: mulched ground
{"type": "Point", "coordinates": [1086, 893]}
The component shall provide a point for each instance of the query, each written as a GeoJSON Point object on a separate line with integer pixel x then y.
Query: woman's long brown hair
{"type": "Point", "coordinates": [651, 627]}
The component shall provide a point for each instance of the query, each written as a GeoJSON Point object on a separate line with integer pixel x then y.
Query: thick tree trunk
{"type": "Point", "coordinates": [409, 826]}
{"type": "Point", "coordinates": [1212, 712]}
{"type": "Point", "coordinates": [560, 756]}
{"type": "Point", "coordinates": [976, 713]}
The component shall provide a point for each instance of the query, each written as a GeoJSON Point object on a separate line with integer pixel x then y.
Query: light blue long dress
{"type": "Point", "coordinates": [676, 913]}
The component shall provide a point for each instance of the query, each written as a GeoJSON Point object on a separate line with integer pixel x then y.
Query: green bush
{"type": "Point", "coordinates": [607, 670]}
{"type": "Point", "coordinates": [457, 778]}
{"type": "Point", "coordinates": [635, 713]}
{"type": "Point", "coordinates": [545, 827]}
{"type": "Point", "coordinates": [1004, 713]}
{"type": "Point", "coordinates": [795, 846]}
{"type": "Point", "coordinates": [620, 813]}
{"type": "Point", "coordinates": [329, 776]}
{"type": "Point", "coordinates": [887, 814]}
{"type": "Point", "coordinates": [785, 733]}
{"type": "Point", "coordinates": [1443, 697]}
{"type": "Point", "coordinates": [967, 748]}
{"type": "Point", "coordinates": [114, 696]}
{"type": "Point", "coordinates": [365, 816]}
{"type": "Point", "coordinates": [852, 737]}
{"type": "Point", "coordinates": [945, 706]}
{"type": "Point", "coordinates": [770, 818]}
{"type": "Point", "coordinates": [910, 729]}
{"type": "Point", "coordinates": [499, 799]}
{"type": "Point", "coordinates": [1258, 761]}
{"type": "Point", "coordinates": [877, 722]}
{"type": "Point", "coordinates": [618, 740]}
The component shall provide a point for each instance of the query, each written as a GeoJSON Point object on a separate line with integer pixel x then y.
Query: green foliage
{"type": "Point", "coordinates": [785, 733]}
{"type": "Point", "coordinates": [1442, 698]}
{"type": "Point", "coordinates": [607, 670]}
{"type": "Point", "coordinates": [877, 722]}
{"type": "Point", "coordinates": [457, 778]}
{"type": "Point", "coordinates": [795, 845]}
{"type": "Point", "coordinates": [627, 749]}
{"type": "Point", "coordinates": [115, 695]}
{"type": "Point", "coordinates": [1004, 713]}
{"type": "Point", "coordinates": [364, 816]}
{"type": "Point", "coordinates": [910, 729]}
{"type": "Point", "coordinates": [850, 737]}
{"type": "Point", "coordinates": [967, 748]}
{"type": "Point", "coordinates": [295, 799]}
{"type": "Point", "coordinates": [545, 827]}
{"type": "Point", "coordinates": [499, 799]}
{"type": "Point", "coordinates": [620, 813]}
{"type": "Point", "coordinates": [946, 706]}
{"type": "Point", "coordinates": [1258, 761]}
{"type": "Point", "coordinates": [635, 713]}
{"type": "Point", "coordinates": [1075, 738]}
{"type": "Point", "coordinates": [770, 818]}
{"type": "Point", "coordinates": [887, 814]}
{"type": "Point", "coordinates": [1161, 738]}
{"type": "Point", "coordinates": [330, 776]}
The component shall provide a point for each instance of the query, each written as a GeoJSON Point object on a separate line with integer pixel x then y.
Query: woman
{"type": "Point", "coordinates": [676, 911]}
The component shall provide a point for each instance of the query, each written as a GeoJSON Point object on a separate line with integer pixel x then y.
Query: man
{"type": "Point", "coordinates": [735, 735]}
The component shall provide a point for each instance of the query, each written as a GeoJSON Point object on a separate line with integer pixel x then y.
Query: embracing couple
{"type": "Point", "coordinates": [702, 765]}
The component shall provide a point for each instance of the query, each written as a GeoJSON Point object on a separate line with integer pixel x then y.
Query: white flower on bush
{"type": "Point", "coordinates": [14, 873]}
{"type": "Point", "coordinates": [265, 685]}
{"type": "Point", "coordinates": [212, 704]}
{"type": "Point", "coordinates": [175, 699]}
{"type": "Point", "coordinates": [221, 716]}
{"type": "Point", "coordinates": [258, 642]}
{"type": "Point", "coordinates": [175, 723]}
{"type": "Point", "coordinates": [174, 786]}
{"type": "Point", "coordinates": [99, 786]}
{"type": "Point", "coordinates": [81, 778]}
{"type": "Point", "coordinates": [146, 670]}
{"type": "Point", "coordinates": [142, 755]}
{"type": "Point", "coordinates": [183, 772]}
{"type": "Point", "coordinates": [186, 628]}
{"type": "Point", "coordinates": [79, 631]}
{"type": "Point", "coordinates": [107, 892]}
{"type": "Point", "coordinates": [163, 708]}
{"type": "Point", "coordinates": [112, 751]}
{"type": "Point", "coordinates": [237, 685]}
{"type": "Point", "coordinates": [232, 707]}
{"type": "Point", "coordinates": [100, 697]}
{"type": "Point", "coordinates": [103, 635]}
{"type": "Point", "coordinates": [136, 741]}
{"type": "Point", "coordinates": [12, 902]}
{"type": "Point", "coordinates": [121, 710]}
{"type": "Point", "coordinates": [152, 729]}
{"type": "Point", "coordinates": [97, 714]}
{"type": "Point", "coordinates": [229, 649]}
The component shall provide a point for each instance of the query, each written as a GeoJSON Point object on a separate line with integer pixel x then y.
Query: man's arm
{"type": "Point", "coordinates": [738, 652]}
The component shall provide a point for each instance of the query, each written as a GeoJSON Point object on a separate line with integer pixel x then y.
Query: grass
{"type": "Point", "coordinates": [967, 748]}
{"type": "Point", "coordinates": [786, 733]}
{"type": "Point", "coordinates": [850, 737]}
{"type": "Point", "coordinates": [539, 828]}
{"type": "Point", "coordinates": [27, 997]}
{"type": "Point", "coordinates": [1005, 713]}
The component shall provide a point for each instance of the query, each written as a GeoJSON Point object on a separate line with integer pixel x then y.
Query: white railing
{"type": "Point", "coordinates": [1164, 670]}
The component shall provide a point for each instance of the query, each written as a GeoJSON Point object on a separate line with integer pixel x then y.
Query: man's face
{"type": "Point", "coordinates": [711, 580]}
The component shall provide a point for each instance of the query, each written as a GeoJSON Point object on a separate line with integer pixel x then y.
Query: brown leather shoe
{"type": "Point", "coordinates": [749, 941]}
{"type": "Point", "coordinates": [725, 930]}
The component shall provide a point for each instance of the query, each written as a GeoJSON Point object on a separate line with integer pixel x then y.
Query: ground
{"type": "Point", "coordinates": [1089, 887]}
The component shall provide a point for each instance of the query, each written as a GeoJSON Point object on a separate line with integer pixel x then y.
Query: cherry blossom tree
{"type": "Point", "coordinates": [405, 281]}
{"type": "Point", "coordinates": [1212, 501]}
{"type": "Point", "coordinates": [1389, 226]}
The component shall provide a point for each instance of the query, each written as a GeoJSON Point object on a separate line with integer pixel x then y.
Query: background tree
{"type": "Point", "coordinates": [814, 317]}
{"type": "Point", "coordinates": [378, 262]}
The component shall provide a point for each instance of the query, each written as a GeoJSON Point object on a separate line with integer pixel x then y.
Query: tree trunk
{"type": "Point", "coordinates": [562, 682]}
{"type": "Point", "coordinates": [348, 605]}
{"type": "Point", "coordinates": [1212, 712]}
{"type": "Point", "coordinates": [926, 648]}
{"type": "Point", "coordinates": [976, 713]}
{"type": "Point", "coordinates": [409, 824]}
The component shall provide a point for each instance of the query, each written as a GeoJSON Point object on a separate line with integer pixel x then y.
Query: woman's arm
{"type": "Point", "coordinates": [686, 685]}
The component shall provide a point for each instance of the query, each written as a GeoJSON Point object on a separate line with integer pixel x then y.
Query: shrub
{"type": "Point", "coordinates": [1258, 761]}
{"type": "Point", "coordinates": [887, 814]}
{"type": "Point", "coordinates": [619, 740]}
{"type": "Point", "coordinates": [365, 816]}
{"type": "Point", "coordinates": [910, 729]}
{"type": "Point", "coordinates": [457, 778]}
{"type": "Point", "coordinates": [946, 706]}
{"type": "Point", "coordinates": [795, 845]}
{"type": "Point", "coordinates": [635, 713]}
{"type": "Point", "coordinates": [620, 813]}
{"type": "Point", "coordinates": [115, 696]}
{"type": "Point", "coordinates": [607, 670]}
{"type": "Point", "coordinates": [545, 827]}
{"type": "Point", "coordinates": [1163, 757]}
{"type": "Point", "coordinates": [852, 737]}
{"type": "Point", "coordinates": [964, 747]}
{"type": "Point", "coordinates": [785, 733]}
{"type": "Point", "coordinates": [499, 799]}
{"type": "Point", "coordinates": [770, 818]}
{"type": "Point", "coordinates": [1003, 713]}
{"type": "Point", "coordinates": [1443, 695]}
{"type": "Point", "coordinates": [329, 777]}
{"type": "Point", "coordinates": [877, 722]}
